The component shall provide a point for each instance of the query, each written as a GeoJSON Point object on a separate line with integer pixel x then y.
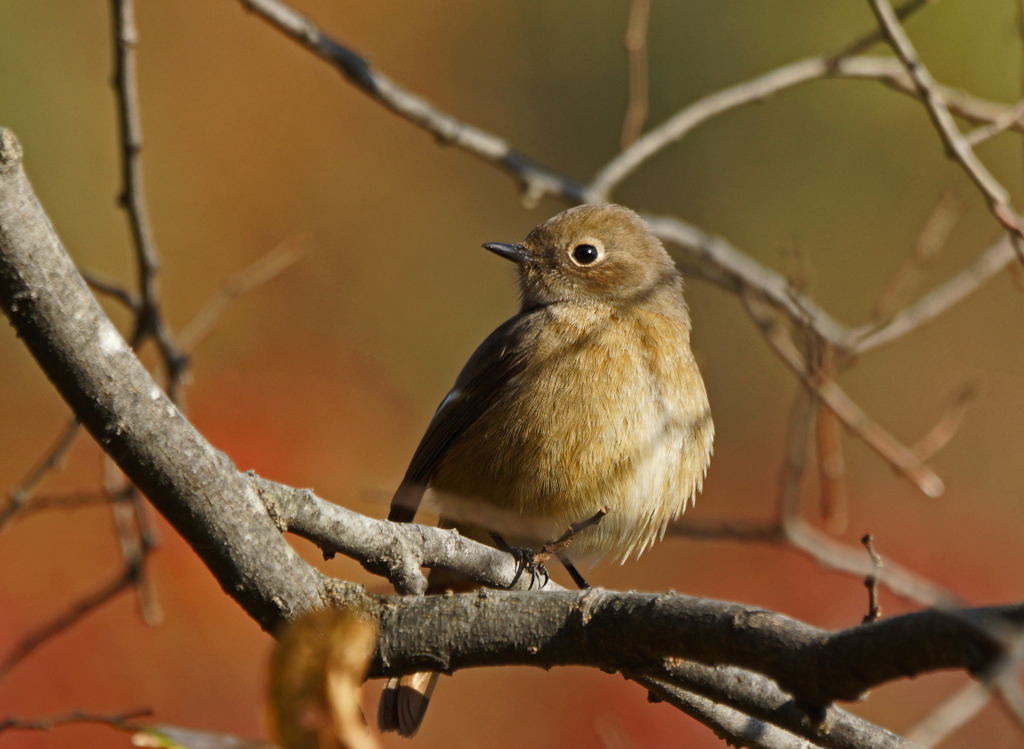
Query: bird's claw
{"type": "Point", "coordinates": [526, 561]}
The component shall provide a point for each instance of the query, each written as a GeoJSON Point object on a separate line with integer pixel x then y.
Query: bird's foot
{"type": "Point", "coordinates": [527, 560]}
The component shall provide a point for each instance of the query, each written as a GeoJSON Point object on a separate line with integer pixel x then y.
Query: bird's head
{"type": "Point", "coordinates": [591, 253]}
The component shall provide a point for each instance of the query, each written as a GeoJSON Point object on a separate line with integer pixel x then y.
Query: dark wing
{"type": "Point", "coordinates": [480, 384]}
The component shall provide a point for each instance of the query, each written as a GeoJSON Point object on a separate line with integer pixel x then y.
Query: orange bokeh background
{"type": "Point", "coordinates": [327, 376]}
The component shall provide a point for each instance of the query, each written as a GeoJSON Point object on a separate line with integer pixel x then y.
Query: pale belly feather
{"type": "Point", "coordinates": [619, 418]}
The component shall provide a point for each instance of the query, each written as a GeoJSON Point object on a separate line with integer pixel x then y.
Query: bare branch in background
{"type": "Point", "coordinates": [831, 463]}
{"type": "Point", "coordinates": [636, 52]}
{"type": "Point", "coordinates": [949, 422]}
{"type": "Point", "coordinates": [113, 290]}
{"type": "Point", "coordinates": [931, 305]}
{"type": "Point", "coordinates": [881, 441]}
{"type": "Point", "coordinates": [116, 720]}
{"type": "Point", "coordinates": [790, 529]}
{"type": "Point", "coordinates": [611, 734]}
{"type": "Point", "coordinates": [1009, 119]}
{"type": "Point", "coordinates": [958, 147]}
{"type": "Point", "coordinates": [235, 521]}
{"type": "Point", "coordinates": [149, 322]}
{"type": "Point", "coordinates": [536, 180]}
{"type": "Point", "coordinates": [837, 556]}
{"type": "Point", "coordinates": [260, 272]}
{"type": "Point", "coordinates": [53, 459]}
{"type": "Point", "coordinates": [703, 254]}
{"type": "Point", "coordinates": [930, 242]}
{"type": "Point", "coordinates": [134, 529]}
{"type": "Point", "coordinates": [949, 716]}
{"type": "Point", "coordinates": [74, 613]}
{"type": "Point", "coordinates": [136, 536]}
{"type": "Point", "coordinates": [875, 36]}
{"type": "Point", "coordinates": [68, 501]}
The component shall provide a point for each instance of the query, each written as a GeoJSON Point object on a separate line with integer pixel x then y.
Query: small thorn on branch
{"type": "Point", "coordinates": [871, 582]}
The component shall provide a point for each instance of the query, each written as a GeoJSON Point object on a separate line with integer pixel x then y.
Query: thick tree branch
{"type": "Point", "coordinates": [223, 515]}
{"type": "Point", "coordinates": [396, 551]}
{"type": "Point", "coordinates": [758, 700]}
{"type": "Point", "coordinates": [631, 631]}
{"type": "Point", "coordinates": [734, 727]}
{"type": "Point", "coordinates": [195, 487]}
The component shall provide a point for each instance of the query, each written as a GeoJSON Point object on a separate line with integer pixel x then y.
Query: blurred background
{"type": "Point", "coordinates": [327, 376]}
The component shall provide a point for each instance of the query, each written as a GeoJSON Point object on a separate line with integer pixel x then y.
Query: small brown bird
{"type": "Point", "coordinates": [588, 397]}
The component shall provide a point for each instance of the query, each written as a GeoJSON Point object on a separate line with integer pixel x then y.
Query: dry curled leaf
{"type": "Point", "coordinates": [315, 675]}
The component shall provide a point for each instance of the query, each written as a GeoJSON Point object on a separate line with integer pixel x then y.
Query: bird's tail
{"type": "Point", "coordinates": [405, 699]}
{"type": "Point", "coordinates": [404, 703]}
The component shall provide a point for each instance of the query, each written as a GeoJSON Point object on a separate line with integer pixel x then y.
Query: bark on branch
{"type": "Point", "coordinates": [234, 522]}
{"type": "Point", "coordinates": [193, 485]}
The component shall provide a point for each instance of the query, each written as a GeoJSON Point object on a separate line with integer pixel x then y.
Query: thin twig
{"type": "Point", "coordinates": [69, 501]}
{"type": "Point", "coordinates": [929, 243]}
{"type": "Point", "coordinates": [1008, 119]}
{"type": "Point", "coordinates": [950, 715]}
{"type": "Point", "coordinates": [566, 538]}
{"type": "Point", "coordinates": [536, 180]}
{"type": "Point", "coordinates": [136, 539]}
{"type": "Point", "coordinates": [831, 463]}
{"type": "Point", "coordinates": [675, 128]}
{"type": "Point", "coordinates": [636, 53]}
{"type": "Point", "coordinates": [875, 36]}
{"type": "Point", "coordinates": [949, 422]}
{"type": "Point", "coordinates": [149, 322]}
{"type": "Point", "coordinates": [65, 620]}
{"type": "Point", "coordinates": [611, 734]}
{"type": "Point", "coordinates": [828, 552]}
{"type": "Point", "coordinates": [714, 259]}
{"type": "Point", "coordinates": [111, 289]}
{"type": "Point", "coordinates": [1008, 691]}
{"type": "Point", "coordinates": [49, 462]}
{"type": "Point", "coordinates": [793, 531]}
{"type": "Point", "coordinates": [835, 555]}
{"type": "Point", "coordinates": [927, 308]}
{"type": "Point", "coordinates": [794, 462]}
{"type": "Point", "coordinates": [242, 282]}
{"type": "Point", "coordinates": [957, 146]}
{"type": "Point", "coordinates": [116, 720]}
{"type": "Point", "coordinates": [710, 257]}
{"type": "Point", "coordinates": [130, 519]}
{"type": "Point", "coordinates": [871, 582]}
{"type": "Point", "coordinates": [876, 437]}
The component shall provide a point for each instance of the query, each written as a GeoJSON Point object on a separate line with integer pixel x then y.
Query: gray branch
{"type": "Point", "coordinates": [193, 485]}
{"type": "Point", "coordinates": [234, 522]}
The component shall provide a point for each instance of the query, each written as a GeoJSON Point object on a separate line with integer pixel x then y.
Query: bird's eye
{"type": "Point", "coordinates": [584, 254]}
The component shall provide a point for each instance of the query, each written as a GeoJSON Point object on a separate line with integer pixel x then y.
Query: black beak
{"type": "Point", "coordinates": [514, 252]}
